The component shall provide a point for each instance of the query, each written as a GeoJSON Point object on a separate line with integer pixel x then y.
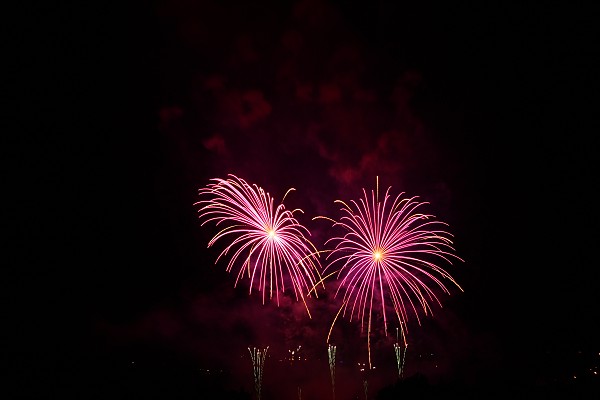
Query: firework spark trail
{"type": "Point", "coordinates": [269, 238]}
{"type": "Point", "coordinates": [388, 255]}
{"type": "Point", "coordinates": [331, 353]}
{"type": "Point", "coordinates": [400, 352]}
{"type": "Point", "coordinates": [258, 362]}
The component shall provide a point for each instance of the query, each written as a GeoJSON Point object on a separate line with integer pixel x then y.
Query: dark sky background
{"type": "Point", "coordinates": [485, 111]}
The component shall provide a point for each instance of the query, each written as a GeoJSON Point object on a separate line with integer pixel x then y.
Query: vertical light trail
{"type": "Point", "coordinates": [258, 362]}
{"type": "Point", "coordinates": [331, 349]}
{"type": "Point", "coordinates": [400, 348]}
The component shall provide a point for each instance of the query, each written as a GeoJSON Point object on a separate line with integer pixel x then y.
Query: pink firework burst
{"type": "Point", "coordinates": [269, 241]}
{"type": "Point", "coordinates": [389, 255]}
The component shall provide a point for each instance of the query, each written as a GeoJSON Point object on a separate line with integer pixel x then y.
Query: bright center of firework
{"type": "Point", "coordinates": [377, 255]}
{"type": "Point", "coordinates": [272, 234]}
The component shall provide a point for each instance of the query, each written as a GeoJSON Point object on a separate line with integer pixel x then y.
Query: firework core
{"type": "Point", "coordinates": [377, 255]}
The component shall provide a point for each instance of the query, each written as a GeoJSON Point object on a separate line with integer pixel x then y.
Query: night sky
{"type": "Point", "coordinates": [123, 113]}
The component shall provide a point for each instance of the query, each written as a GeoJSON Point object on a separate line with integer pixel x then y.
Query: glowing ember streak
{"type": "Point", "coordinates": [400, 352]}
{"type": "Point", "coordinates": [258, 362]}
{"type": "Point", "coordinates": [269, 239]}
{"type": "Point", "coordinates": [331, 354]}
{"type": "Point", "coordinates": [400, 358]}
{"type": "Point", "coordinates": [388, 255]}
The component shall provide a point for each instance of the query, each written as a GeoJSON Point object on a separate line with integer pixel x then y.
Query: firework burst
{"type": "Point", "coordinates": [389, 255]}
{"type": "Point", "coordinates": [272, 245]}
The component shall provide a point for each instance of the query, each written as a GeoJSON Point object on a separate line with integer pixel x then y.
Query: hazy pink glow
{"type": "Point", "coordinates": [388, 255]}
{"type": "Point", "coordinates": [270, 240]}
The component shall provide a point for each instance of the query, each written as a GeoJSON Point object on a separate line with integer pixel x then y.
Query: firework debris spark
{"type": "Point", "coordinates": [258, 362]}
{"type": "Point", "coordinates": [331, 354]}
